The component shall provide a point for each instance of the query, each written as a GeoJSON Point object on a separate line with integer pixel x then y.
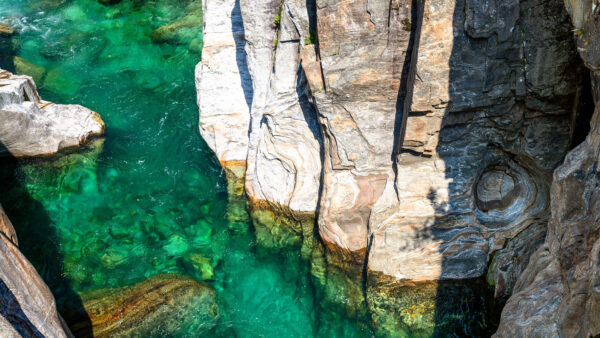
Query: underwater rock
{"type": "Point", "coordinates": [203, 265]}
{"type": "Point", "coordinates": [31, 127]}
{"type": "Point", "coordinates": [183, 30]}
{"type": "Point", "coordinates": [155, 306]}
{"type": "Point", "coordinates": [24, 67]}
{"type": "Point", "coordinates": [27, 307]}
{"type": "Point", "coordinates": [6, 30]}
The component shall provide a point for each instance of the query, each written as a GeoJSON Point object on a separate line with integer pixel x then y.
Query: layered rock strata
{"type": "Point", "coordinates": [27, 307]}
{"type": "Point", "coordinates": [258, 120]}
{"type": "Point", "coordinates": [135, 310]}
{"type": "Point", "coordinates": [30, 126]}
{"type": "Point", "coordinates": [558, 294]}
{"type": "Point", "coordinates": [425, 141]}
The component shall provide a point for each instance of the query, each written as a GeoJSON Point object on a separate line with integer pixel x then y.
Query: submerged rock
{"type": "Point", "coordinates": [32, 127]}
{"type": "Point", "coordinates": [24, 67]}
{"type": "Point", "coordinates": [6, 30]}
{"type": "Point", "coordinates": [160, 305]}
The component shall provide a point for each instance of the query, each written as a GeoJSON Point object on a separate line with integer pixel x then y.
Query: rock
{"type": "Point", "coordinates": [24, 67]}
{"type": "Point", "coordinates": [6, 30]}
{"type": "Point", "coordinates": [183, 30]}
{"type": "Point", "coordinates": [7, 229]}
{"type": "Point", "coordinates": [280, 150]}
{"type": "Point", "coordinates": [224, 109]}
{"type": "Point", "coordinates": [155, 306]}
{"type": "Point", "coordinates": [33, 127]}
{"type": "Point", "coordinates": [425, 137]}
{"type": "Point", "coordinates": [203, 265]}
{"type": "Point", "coordinates": [557, 294]}
{"type": "Point", "coordinates": [27, 307]}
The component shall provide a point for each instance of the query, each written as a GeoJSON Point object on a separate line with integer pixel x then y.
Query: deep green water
{"type": "Point", "coordinates": [152, 199]}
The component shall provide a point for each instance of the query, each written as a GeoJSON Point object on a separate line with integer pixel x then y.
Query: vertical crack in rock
{"type": "Point", "coordinates": [477, 125]}
{"type": "Point", "coordinates": [404, 100]}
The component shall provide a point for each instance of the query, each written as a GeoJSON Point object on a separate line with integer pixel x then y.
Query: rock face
{"type": "Point", "coordinates": [259, 116]}
{"type": "Point", "coordinates": [27, 308]}
{"type": "Point", "coordinates": [135, 310]}
{"type": "Point", "coordinates": [558, 294]}
{"type": "Point", "coordinates": [422, 135]}
{"type": "Point", "coordinates": [32, 127]}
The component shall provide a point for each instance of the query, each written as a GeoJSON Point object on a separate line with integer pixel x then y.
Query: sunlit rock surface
{"type": "Point", "coordinates": [439, 127]}
{"type": "Point", "coordinates": [558, 294]}
{"type": "Point", "coordinates": [259, 115]}
{"type": "Point", "coordinates": [30, 126]}
{"type": "Point", "coordinates": [223, 90]}
{"type": "Point", "coordinates": [27, 308]}
{"type": "Point", "coordinates": [135, 310]}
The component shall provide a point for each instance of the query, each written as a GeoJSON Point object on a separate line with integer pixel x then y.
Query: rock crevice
{"type": "Point", "coordinates": [424, 133]}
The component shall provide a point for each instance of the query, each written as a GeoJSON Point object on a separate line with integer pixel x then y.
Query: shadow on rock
{"type": "Point", "coordinates": [37, 236]}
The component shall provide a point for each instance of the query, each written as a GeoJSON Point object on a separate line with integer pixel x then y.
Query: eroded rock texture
{"type": "Point", "coordinates": [27, 308]}
{"type": "Point", "coordinates": [488, 122]}
{"type": "Point", "coordinates": [424, 138]}
{"type": "Point", "coordinates": [32, 127]}
{"type": "Point", "coordinates": [133, 311]}
{"type": "Point", "coordinates": [259, 118]}
{"type": "Point", "coordinates": [558, 294]}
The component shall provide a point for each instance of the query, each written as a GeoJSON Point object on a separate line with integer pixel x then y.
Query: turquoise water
{"type": "Point", "coordinates": [149, 198]}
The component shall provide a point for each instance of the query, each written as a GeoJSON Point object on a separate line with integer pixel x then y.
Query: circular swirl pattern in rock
{"type": "Point", "coordinates": [505, 194]}
{"type": "Point", "coordinates": [496, 189]}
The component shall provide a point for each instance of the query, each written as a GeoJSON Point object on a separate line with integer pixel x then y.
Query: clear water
{"type": "Point", "coordinates": [150, 198]}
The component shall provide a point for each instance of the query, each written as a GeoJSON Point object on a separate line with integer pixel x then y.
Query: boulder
{"type": "Point", "coordinates": [30, 126]}
{"type": "Point", "coordinates": [160, 305]}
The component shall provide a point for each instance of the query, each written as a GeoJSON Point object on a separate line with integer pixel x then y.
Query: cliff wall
{"type": "Point", "coordinates": [420, 135]}
{"type": "Point", "coordinates": [558, 294]}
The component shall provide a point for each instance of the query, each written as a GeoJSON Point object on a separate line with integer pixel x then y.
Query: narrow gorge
{"type": "Point", "coordinates": [362, 168]}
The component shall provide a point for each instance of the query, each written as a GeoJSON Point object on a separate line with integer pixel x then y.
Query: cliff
{"type": "Point", "coordinates": [558, 294]}
{"type": "Point", "coordinates": [419, 137]}
{"type": "Point", "coordinates": [31, 127]}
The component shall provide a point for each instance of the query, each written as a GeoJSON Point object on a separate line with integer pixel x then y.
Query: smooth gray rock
{"type": "Point", "coordinates": [259, 116]}
{"type": "Point", "coordinates": [32, 127]}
